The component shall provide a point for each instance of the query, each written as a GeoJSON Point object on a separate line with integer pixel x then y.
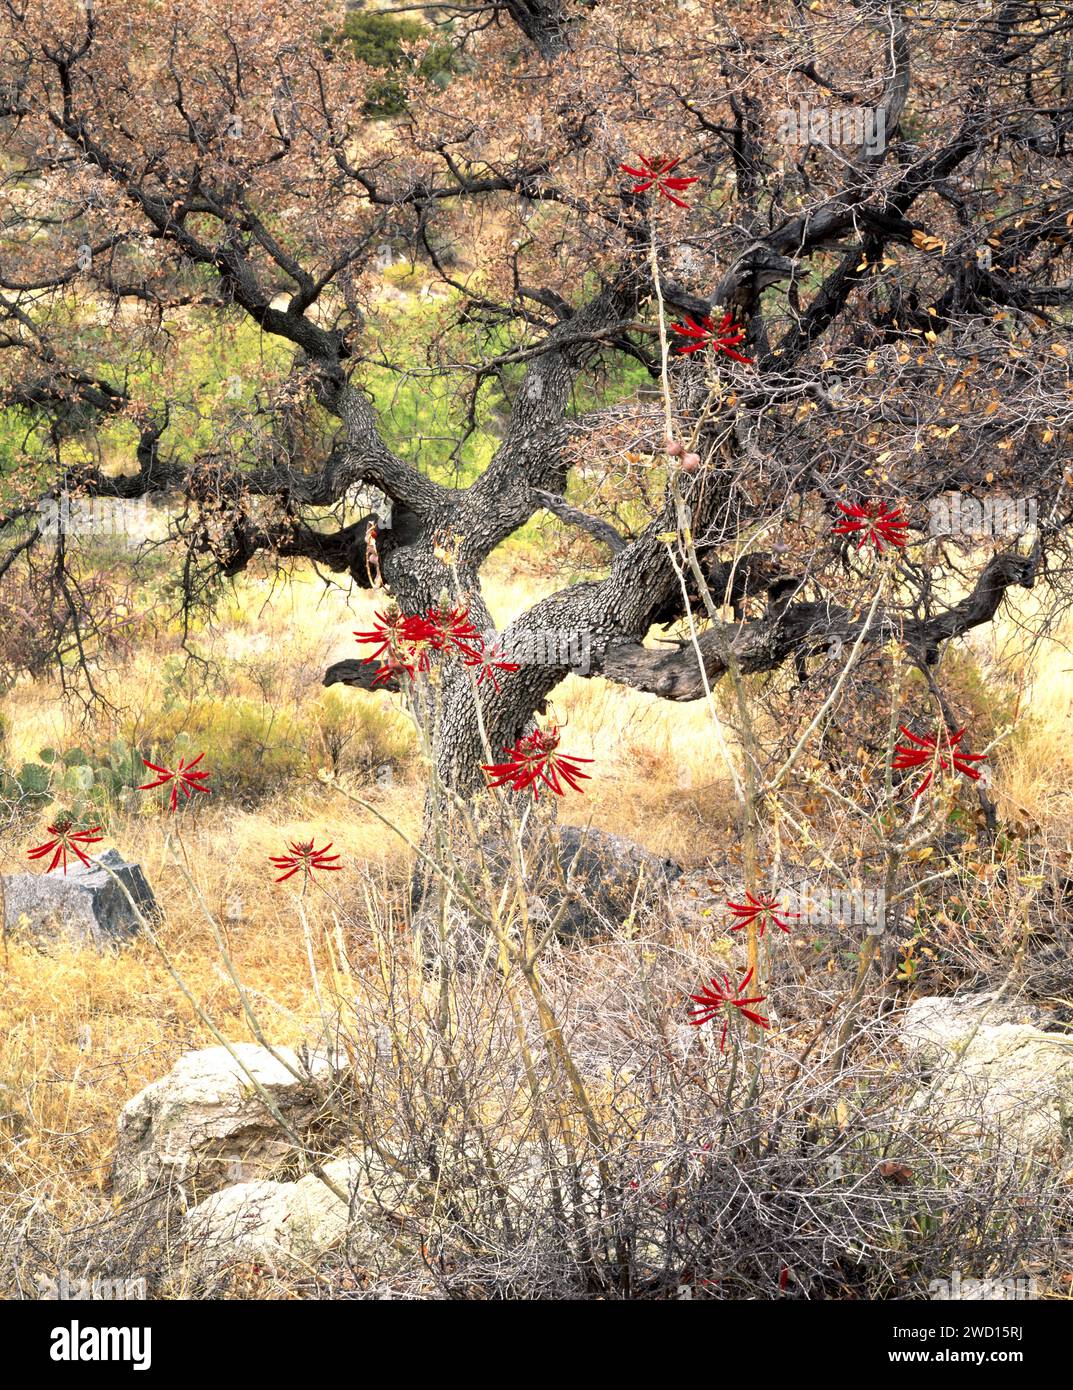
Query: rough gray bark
{"type": "Point", "coordinates": [544, 22]}
{"type": "Point", "coordinates": [799, 628]}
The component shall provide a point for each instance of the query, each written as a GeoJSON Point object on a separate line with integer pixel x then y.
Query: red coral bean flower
{"type": "Point", "coordinates": [656, 173]}
{"type": "Point", "coordinates": [720, 998]}
{"type": "Point", "coordinates": [66, 838]}
{"type": "Point", "coordinates": [875, 522]}
{"type": "Point", "coordinates": [928, 750]}
{"type": "Point", "coordinates": [489, 660]}
{"type": "Point", "coordinates": [402, 644]}
{"type": "Point", "coordinates": [452, 628]}
{"type": "Point", "coordinates": [305, 858]}
{"type": "Point", "coordinates": [722, 337]}
{"type": "Point", "coordinates": [405, 643]}
{"type": "Point", "coordinates": [387, 632]}
{"type": "Point", "coordinates": [535, 759]}
{"type": "Point", "coordinates": [393, 668]}
{"type": "Point", "coordinates": [418, 639]}
{"type": "Point", "coordinates": [184, 777]}
{"type": "Point", "coordinates": [761, 910]}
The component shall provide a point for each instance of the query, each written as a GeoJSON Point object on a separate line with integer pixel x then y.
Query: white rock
{"type": "Point", "coordinates": [204, 1125]}
{"type": "Point", "coordinates": [282, 1224]}
{"type": "Point", "coordinates": [272, 1222]}
{"type": "Point", "coordinates": [993, 1070]}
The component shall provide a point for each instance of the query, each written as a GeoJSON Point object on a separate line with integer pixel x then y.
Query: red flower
{"type": "Point", "coordinates": [408, 641]}
{"type": "Point", "coordinates": [389, 628]}
{"type": "Point", "coordinates": [722, 337]}
{"type": "Point", "coordinates": [405, 640]}
{"type": "Point", "coordinates": [533, 760]}
{"type": "Point", "coordinates": [655, 172]}
{"type": "Point", "coordinates": [721, 998]}
{"type": "Point", "coordinates": [877, 523]}
{"type": "Point", "coordinates": [762, 909]}
{"type": "Point", "coordinates": [451, 629]}
{"type": "Point", "coordinates": [183, 777]}
{"type": "Point", "coordinates": [929, 750]}
{"type": "Point", "coordinates": [490, 660]}
{"type": "Point", "coordinates": [392, 668]}
{"type": "Point", "coordinates": [305, 857]}
{"type": "Point", "coordinates": [66, 839]}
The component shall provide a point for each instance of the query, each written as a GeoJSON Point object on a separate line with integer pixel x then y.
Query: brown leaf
{"type": "Point", "coordinates": [899, 1173]}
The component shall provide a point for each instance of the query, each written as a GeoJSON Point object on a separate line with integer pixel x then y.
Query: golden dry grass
{"type": "Point", "coordinates": [1037, 773]}
{"type": "Point", "coordinates": [80, 1033]}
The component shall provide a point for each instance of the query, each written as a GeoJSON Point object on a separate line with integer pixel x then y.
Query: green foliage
{"type": "Point", "coordinates": [377, 39]}
{"type": "Point", "coordinates": [24, 457]}
{"type": "Point", "coordinates": [21, 793]}
{"type": "Point", "coordinates": [84, 783]}
{"type": "Point", "coordinates": [254, 751]}
{"type": "Point", "coordinates": [251, 750]}
{"type": "Point", "coordinates": [219, 366]}
{"type": "Point", "coordinates": [358, 737]}
{"type": "Point", "coordinates": [33, 778]}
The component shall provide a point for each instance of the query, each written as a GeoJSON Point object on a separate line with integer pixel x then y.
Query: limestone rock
{"type": "Point", "coordinates": [271, 1222]}
{"type": "Point", "coordinates": [204, 1125]}
{"type": "Point", "coordinates": [993, 1070]}
{"type": "Point", "coordinates": [280, 1224]}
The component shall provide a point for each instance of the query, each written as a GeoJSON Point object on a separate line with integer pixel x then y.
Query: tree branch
{"type": "Point", "coordinates": [788, 630]}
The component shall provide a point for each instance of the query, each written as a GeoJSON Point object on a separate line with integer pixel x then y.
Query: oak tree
{"type": "Point", "coordinates": [869, 201]}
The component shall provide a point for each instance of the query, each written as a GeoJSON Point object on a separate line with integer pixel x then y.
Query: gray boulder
{"type": "Point", "coordinates": [588, 881]}
{"type": "Point", "coordinates": [86, 905]}
{"type": "Point", "coordinates": [614, 877]}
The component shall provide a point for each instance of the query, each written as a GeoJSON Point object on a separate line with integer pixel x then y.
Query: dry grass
{"type": "Point", "coordinates": [1037, 774]}
{"type": "Point", "coordinates": [80, 1033]}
